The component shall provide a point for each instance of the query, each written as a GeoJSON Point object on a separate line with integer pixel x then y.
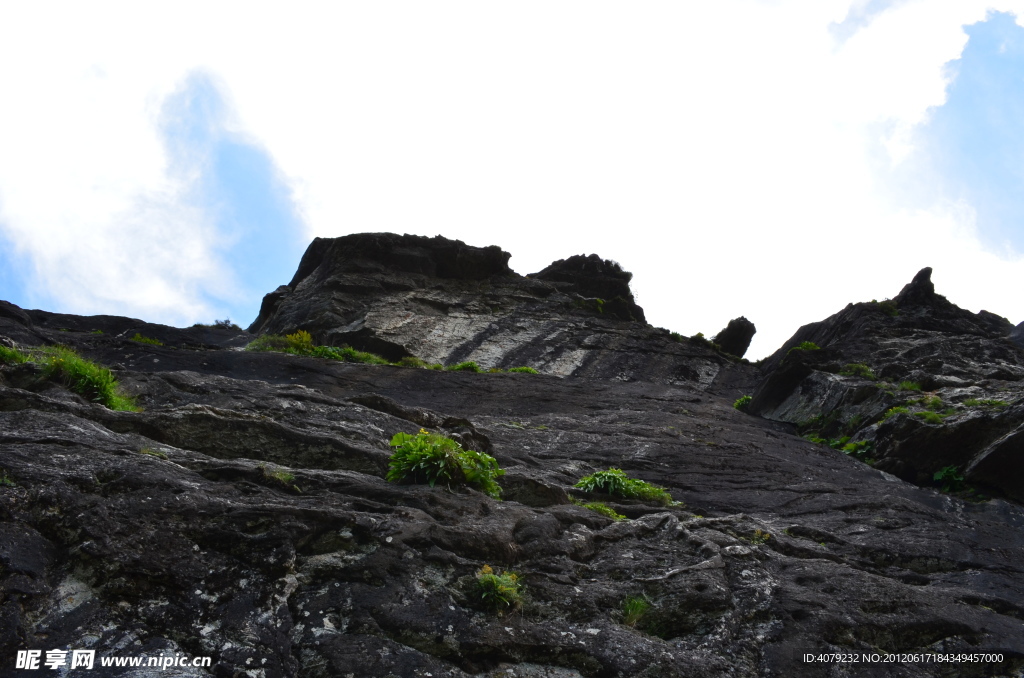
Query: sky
{"type": "Point", "coordinates": [775, 159]}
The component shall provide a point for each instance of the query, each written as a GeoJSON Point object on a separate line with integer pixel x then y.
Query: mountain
{"type": "Point", "coordinates": [234, 503]}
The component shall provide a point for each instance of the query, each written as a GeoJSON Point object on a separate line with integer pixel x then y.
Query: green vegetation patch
{"type": "Point", "coordinates": [604, 510]}
{"type": "Point", "coordinates": [499, 592]}
{"type": "Point", "coordinates": [84, 377]}
{"type": "Point", "coordinates": [524, 370]}
{"type": "Point", "coordinates": [468, 366]}
{"type": "Point", "coordinates": [929, 417]}
{"type": "Point", "coordinates": [988, 402]}
{"type": "Point", "coordinates": [858, 370]}
{"type": "Point", "coordinates": [633, 610]}
{"type": "Point", "coordinates": [147, 340]}
{"type": "Point", "coordinates": [301, 343]}
{"type": "Point", "coordinates": [742, 403]}
{"type": "Point", "coordinates": [430, 458]}
{"type": "Point", "coordinates": [909, 386]}
{"type": "Point", "coordinates": [614, 481]}
{"type": "Point", "coordinates": [279, 478]}
{"type": "Point", "coordinates": [950, 478]}
{"type": "Point", "coordinates": [893, 411]}
{"type": "Point", "coordinates": [12, 356]}
{"type": "Point", "coordinates": [804, 346]}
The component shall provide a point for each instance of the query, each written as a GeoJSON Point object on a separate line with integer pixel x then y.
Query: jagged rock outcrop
{"type": "Point", "coordinates": [735, 338]}
{"type": "Point", "coordinates": [954, 377]}
{"type": "Point", "coordinates": [174, 530]}
{"type": "Point", "coordinates": [446, 302]}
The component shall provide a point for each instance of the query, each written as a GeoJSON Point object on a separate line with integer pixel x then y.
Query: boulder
{"type": "Point", "coordinates": [735, 338]}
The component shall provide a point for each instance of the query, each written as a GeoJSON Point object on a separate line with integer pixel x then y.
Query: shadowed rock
{"type": "Point", "coordinates": [735, 338]}
{"type": "Point", "coordinates": [954, 377]}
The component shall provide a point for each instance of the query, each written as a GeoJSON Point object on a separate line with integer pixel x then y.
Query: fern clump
{"type": "Point", "coordinates": [431, 458]}
{"type": "Point", "coordinates": [614, 481]}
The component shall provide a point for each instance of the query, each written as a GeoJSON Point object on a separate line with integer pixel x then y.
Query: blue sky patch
{"type": "Point", "coordinates": [260, 235]}
{"type": "Point", "coordinates": [975, 141]}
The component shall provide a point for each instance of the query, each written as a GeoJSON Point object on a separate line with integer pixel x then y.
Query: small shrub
{"type": "Point", "coordinates": [888, 307]}
{"type": "Point", "coordinates": [633, 610]}
{"type": "Point", "coordinates": [468, 366]}
{"type": "Point", "coordinates": [147, 340]}
{"type": "Point", "coordinates": [893, 411]}
{"type": "Point", "coordinates": [432, 458]}
{"type": "Point", "coordinates": [153, 453]}
{"type": "Point", "coordinates": [677, 337]}
{"type": "Point", "coordinates": [604, 510]}
{"type": "Point", "coordinates": [934, 403]}
{"type": "Point", "coordinates": [950, 477]}
{"type": "Point", "coordinates": [413, 361]}
{"type": "Point", "coordinates": [85, 378]}
{"type": "Point", "coordinates": [279, 477]}
{"type": "Point", "coordinates": [12, 356]}
{"type": "Point", "coordinates": [700, 340]}
{"type": "Point", "coordinates": [858, 370]}
{"type": "Point", "coordinates": [760, 537]}
{"type": "Point", "coordinates": [614, 481]}
{"type": "Point", "coordinates": [974, 402]}
{"type": "Point", "coordinates": [498, 591]}
{"type": "Point", "coordinates": [858, 450]}
{"type": "Point", "coordinates": [909, 386]}
{"type": "Point", "coordinates": [804, 346]}
{"type": "Point", "coordinates": [930, 417]}
{"type": "Point", "coordinates": [347, 354]}
{"type": "Point", "coordinates": [742, 403]}
{"type": "Point", "coordinates": [524, 370]}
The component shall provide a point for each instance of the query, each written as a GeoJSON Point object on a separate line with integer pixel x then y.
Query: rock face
{"type": "Point", "coordinates": [735, 338]}
{"type": "Point", "coordinates": [953, 376]}
{"type": "Point", "coordinates": [174, 530]}
{"type": "Point", "coordinates": [446, 302]}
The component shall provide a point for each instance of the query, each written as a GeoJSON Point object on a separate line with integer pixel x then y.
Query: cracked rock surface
{"type": "Point", "coordinates": [167, 530]}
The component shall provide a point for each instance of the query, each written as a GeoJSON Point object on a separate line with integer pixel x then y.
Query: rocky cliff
{"type": "Point", "coordinates": [243, 512]}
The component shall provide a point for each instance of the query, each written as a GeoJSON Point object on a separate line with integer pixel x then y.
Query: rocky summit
{"type": "Point", "coordinates": [850, 506]}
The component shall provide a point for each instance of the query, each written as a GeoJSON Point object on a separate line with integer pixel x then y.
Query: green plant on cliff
{"type": "Point", "coordinates": [804, 346]}
{"type": "Point", "coordinates": [147, 340]}
{"type": "Point", "coordinates": [950, 478]}
{"type": "Point", "coordinates": [988, 402]}
{"type": "Point", "coordinates": [430, 458]}
{"type": "Point", "coordinates": [909, 386]}
{"type": "Point", "coordinates": [893, 411]}
{"type": "Point", "coordinates": [301, 343]}
{"type": "Point", "coordinates": [742, 403]}
{"type": "Point", "coordinates": [524, 370]}
{"type": "Point", "coordinates": [614, 481]}
{"type": "Point", "coordinates": [500, 592]}
{"type": "Point", "coordinates": [12, 356]}
{"type": "Point", "coordinates": [633, 610]}
{"type": "Point", "coordinates": [468, 366]}
{"type": "Point", "coordinates": [84, 377]}
{"type": "Point", "coordinates": [858, 370]}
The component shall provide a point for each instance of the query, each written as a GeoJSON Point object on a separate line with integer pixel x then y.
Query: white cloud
{"type": "Point", "coordinates": [726, 153]}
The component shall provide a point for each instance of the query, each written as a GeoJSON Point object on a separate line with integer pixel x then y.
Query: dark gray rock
{"type": "Point", "coordinates": [956, 373]}
{"type": "Point", "coordinates": [735, 338]}
{"type": "Point", "coordinates": [446, 302]}
{"type": "Point", "coordinates": [170, 531]}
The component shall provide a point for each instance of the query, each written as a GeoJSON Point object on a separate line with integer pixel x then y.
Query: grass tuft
{"type": "Point", "coordinates": [431, 458]}
{"type": "Point", "coordinates": [614, 481]}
